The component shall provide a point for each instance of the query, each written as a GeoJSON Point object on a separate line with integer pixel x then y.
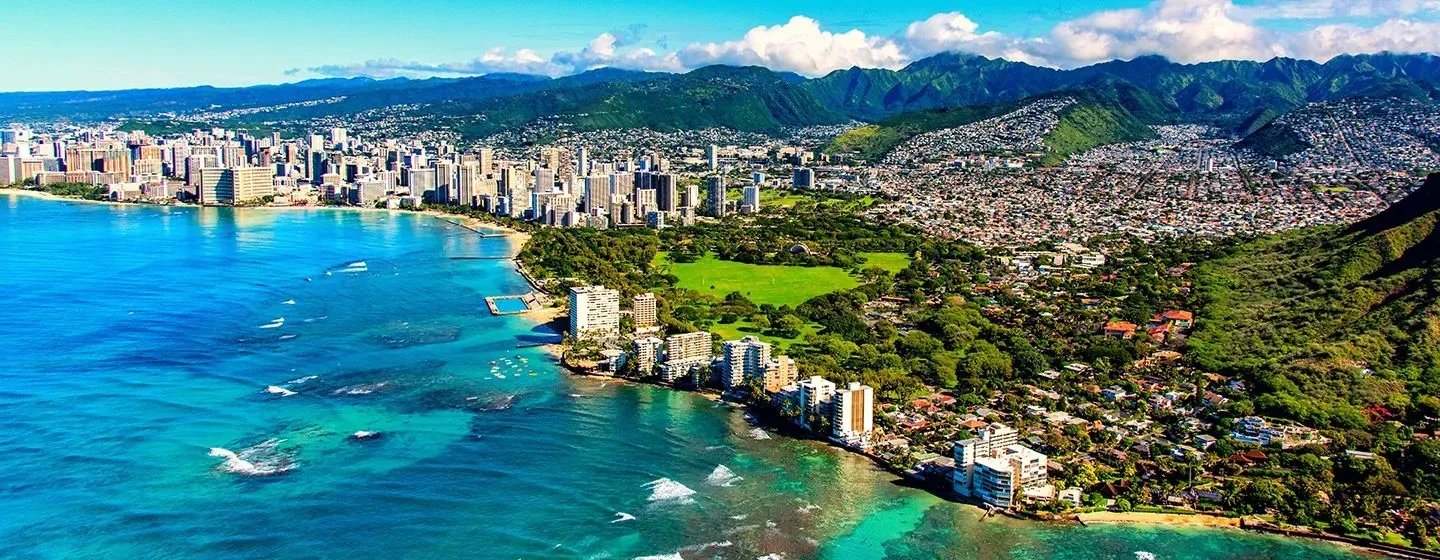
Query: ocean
{"type": "Point", "coordinates": [188, 383]}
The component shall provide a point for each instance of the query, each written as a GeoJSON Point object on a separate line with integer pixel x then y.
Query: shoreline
{"type": "Point", "coordinates": [549, 316]}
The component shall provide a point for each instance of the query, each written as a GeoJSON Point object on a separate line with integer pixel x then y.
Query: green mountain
{"type": "Point", "coordinates": [749, 99]}
{"type": "Point", "coordinates": [1104, 113]}
{"type": "Point", "coordinates": [1333, 326]}
{"type": "Point", "coordinates": [1223, 92]}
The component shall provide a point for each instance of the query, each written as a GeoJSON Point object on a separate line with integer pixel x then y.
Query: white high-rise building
{"type": "Point", "coordinates": [751, 199]}
{"type": "Point", "coordinates": [647, 355]}
{"type": "Point", "coordinates": [744, 359]}
{"type": "Point", "coordinates": [852, 415]}
{"type": "Point", "coordinates": [686, 354]}
{"type": "Point", "coordinates": [994, 468]}
{"type": "Point", "coordinates": [594, 312]}
{"type": "Point", "coordinates": [815, 394]}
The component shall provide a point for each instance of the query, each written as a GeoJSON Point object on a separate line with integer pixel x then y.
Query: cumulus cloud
{"type": "Point", "coordinates": [1181, 30]}
{"type": "Point", "coordinates": [1190, 31]}
{"type": "Point", "coordinates": [1396, 35]}
{"type": "Point", "coordinates": [800, 46]}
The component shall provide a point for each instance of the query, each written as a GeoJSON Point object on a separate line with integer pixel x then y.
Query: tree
{"type": "Point", "coordinates": [788, 327]}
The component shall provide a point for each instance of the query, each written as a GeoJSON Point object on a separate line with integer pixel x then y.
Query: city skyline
{"type": "Point", "coordinates": [809, 38]}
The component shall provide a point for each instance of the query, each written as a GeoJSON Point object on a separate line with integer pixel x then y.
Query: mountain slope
{"type": "Point", "coordinates": [749, 99]}
{"type": "Point", "coordinates": [1329, 321]}
{"type": "Point", "coordinates": [1103, 113]}
{"type": "Point", "coordinates": [1223, 92]}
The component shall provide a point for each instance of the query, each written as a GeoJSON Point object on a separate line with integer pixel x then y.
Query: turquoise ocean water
{"type": "Point", "coordinates": [144, 346]}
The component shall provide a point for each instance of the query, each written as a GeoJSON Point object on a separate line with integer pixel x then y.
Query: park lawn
{"type": "Point", "coordinates": [771, 198]}
{"type": "Point", "coordinates": [893, 262]}
{"type": "Point", "coordinates": [742, 328]}
{"type": "Point", "coordinates": [773, 284]}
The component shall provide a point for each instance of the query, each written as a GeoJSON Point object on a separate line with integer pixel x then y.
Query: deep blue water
{"type": "Point", "coordinates": [139, 338]}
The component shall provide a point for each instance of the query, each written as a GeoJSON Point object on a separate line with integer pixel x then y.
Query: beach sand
{"type": "Point", "coordinates": [1199, 519]}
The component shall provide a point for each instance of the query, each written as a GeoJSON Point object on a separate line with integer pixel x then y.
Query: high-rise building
{"type": "Point", "coordinates": [690, 197]}
{"type": "Point", "coordinates": [815, 395]}
{"type": "Point", "coordinates": [233, 185]}
{"type": "Point", "coordinates": [643, 310]}
{"type": "Point", "coordinates": [717, 196]}
{"type": "Point", "coordinates": [750, 202]}
{"type": "Point", "coordinates": [780, 372]}
{"type": "Point", "coordinates": [712, 157]}
{"type": "Point", "coordinates": [582, 162]}
{"type": "Point", "coordinates": [757, 178]}
{"type": "Point", "coordinates": [594, 312]}
{"type": "Point", "coordinates": [994, 468]}
{"type": "Point", "coordinates": [647, 355]}
{"type": "Point", "coordinates": [597, 193]}
{"type": "Point", "coordinates": [665, 192]}
{"type": "Point", "coordinates": [743, 359]}
{"type": "Point", "coordinates": [686, 354]}
{"type": "Point", "coordinates": [338, 135]}
{"type": "Point", "coordinates": [804, 178]}
{"type": "Point", "coordinates": [852, 415]}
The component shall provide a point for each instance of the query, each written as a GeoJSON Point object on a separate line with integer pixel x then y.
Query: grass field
{"type": "Point", "coordinates": [893, 262]}
{"type": "Point", "coordinates": [777, 285]}
{"type": "Point", "coordinates": [743, 328]}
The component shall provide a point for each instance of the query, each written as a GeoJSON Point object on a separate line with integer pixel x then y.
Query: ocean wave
{"type": "Point", "coordinates": [262, 459]}
{"type": "Point", "coordinates": [671, 556]}
{"type": "Point", "coordinates": [287, 336]}
{"type": "Point", "coordinates": [666, 490]}
{"type": "Point", "coordinates": [722, 476]}
{"type": "Point", "coordinates": [302, 380]}
{"type": "Point", "coordinates": [622, 516]}
{"type": "Point", "coordinates": [1142, 555]}
{"type": "Point", "coordinates": [320, 318]}
{"type": "Point", "coordinates": [288, 302]}
{"type": "Point", "coordinates": [274, 324]}
{"type": "Point", "coordinates": [362, 389]}
{"type": "Point", "coordinates": [277, 390]}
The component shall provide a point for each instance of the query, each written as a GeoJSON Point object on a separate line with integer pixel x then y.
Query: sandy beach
{"type": "Point", "coordinates": [1198, 520]}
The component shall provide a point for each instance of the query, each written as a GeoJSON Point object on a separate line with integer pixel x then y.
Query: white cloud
{"type": "Point", "coordinates": [1396, 35]}
{"type": "Point", "coordinates": [800, 46]}
{"type": "Point", "coordinates": [1326, 9]}
{"type": "Point", "coordinates": [1181, 30]}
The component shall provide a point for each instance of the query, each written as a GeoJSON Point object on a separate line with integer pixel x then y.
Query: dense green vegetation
{"type": "Point", "coordinates": [875, 140]}
{"type": "Point", "coordinates": [1336, 327]}
{"type": "Point", "coordinates": [86, 191]}
{"type": "Point", "coordinates": [1274, 140]}
{"type": "Point", "coordinates": [1086, 125]}
{"type": "Point", "coordinates": [749, 99]}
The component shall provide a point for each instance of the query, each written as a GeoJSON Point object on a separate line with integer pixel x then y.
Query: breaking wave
{"type": "Point", "coordinates": [666, 490]}
{"type": "Point", "coordinates": [722, 476]}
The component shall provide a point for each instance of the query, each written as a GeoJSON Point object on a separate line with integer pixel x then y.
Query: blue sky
{"type": "Point", "coordinates": [90, 44]}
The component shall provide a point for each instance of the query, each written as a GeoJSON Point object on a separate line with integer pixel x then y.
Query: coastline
{"type": "Point", "coordinates": [550, 315]}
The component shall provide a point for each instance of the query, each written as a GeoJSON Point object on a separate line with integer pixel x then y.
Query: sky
{"type": "Point", "coordinates": [100, 45]}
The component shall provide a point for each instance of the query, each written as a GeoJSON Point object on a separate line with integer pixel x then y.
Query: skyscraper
{"type": "Point", "coordinates": [643, 310]}
{"type": "Point", "coordinates": [804, 178]}
{"type": "Point", "coordinates": [815, 395]}
{"type": "Point", "coordinates": [665, 192]}
{"type": "Point", "coordinates": [744, 359]}
{"type": "Point", "coordinates": [594, 312]}
{"type": "Point", "coordinates": [717, 196]}
{"type": "Point", "coordinates": [852, 415]}
{"type": "Point", "coordinates": [751, 199]}
{"type": "Point", "coordinates": [712, 157]}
